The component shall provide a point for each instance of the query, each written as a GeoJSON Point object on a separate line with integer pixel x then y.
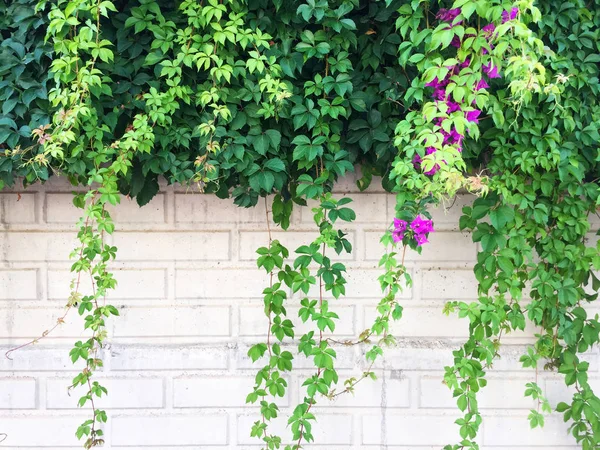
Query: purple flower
{"type": "Point", "coordinates": [491, 71]}
{"type": "Point", "coordinates": [489, 29]}
{"type": "Point", "coordinates": [433, 83]}
{"type": "Point", "coordinates": [473, 116]}
{"type": "Point", "coordinates": [399, 229]}
{"type": "Point", "coordinates": [397, 236]}
{"type": "Point", "coordinates": [455, 42]}
{"type": "Point", "coordinates": [484, 50]}
{"type": "Point", "coordinates": [421, 226]}
{"type": "Point", "coordinates": [439, 93]}
{"type": "Point", "coordinates": [510, 15]}
{"type": "Point", "coordinates": [456, 136]}
{"type": "Point", "coordinates": [421, 239]}
{"type": "Point", "coordinates": [481, 84]}
{"type": "Point", "coordinates": [448, 15]}
{"type": "Point", "coordinates": [465, 63]}
{"type": "Point", "coordinates": [417, 160]}
{"type": "Point", "coordinates": [453, 137]}
{"type": "Point", "coordinates": [400, 225]}
{"type": "Point", "coordinates": [452, 106]}
{"type": "Point", "coordinates": [433, 170]}
{"type": "Point", "coordinates": [436, 84]}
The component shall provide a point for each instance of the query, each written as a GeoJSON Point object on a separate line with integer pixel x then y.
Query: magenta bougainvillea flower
{"type": "Point", "coordinates": [417, 160]}
{"type": "Point", "coordinates": [447, 15]}
{"type": "Point", "coordinates": [421, 239]}
{"type": "Point", "coordinates": [473, 116]}
{"type": "Point", "coordinates": [491, 71]}
{"type": "Point", "coordinates": [420, 228]}
{"type": "Point", "coordinates": [440, 94]}
{"type": "Point", "coordinates": [510, 15]}
{"type": "Point", "coordinates": [482, 84]}
{"type": "Point", "coordinates": [489, 29]}
{"type": "Point", "coordinates": [399, 229]}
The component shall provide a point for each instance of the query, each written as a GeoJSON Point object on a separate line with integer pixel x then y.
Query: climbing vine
{"type": "Point", "coordinates": [246, 99]}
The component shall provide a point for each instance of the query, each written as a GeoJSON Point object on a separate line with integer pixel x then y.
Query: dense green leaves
{"type": "Point", "coordinates": [252, 98]}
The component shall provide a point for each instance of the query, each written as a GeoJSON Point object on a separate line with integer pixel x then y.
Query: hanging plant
{"type": "Point", "coordinates": [252, 98]}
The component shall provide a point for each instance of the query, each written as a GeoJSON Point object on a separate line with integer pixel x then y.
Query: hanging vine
{"type": "Point", "coordinates": [252, 98]}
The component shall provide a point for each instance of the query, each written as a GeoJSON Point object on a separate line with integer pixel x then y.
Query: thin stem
{"type": "Point", "coordinates": [61, 319]}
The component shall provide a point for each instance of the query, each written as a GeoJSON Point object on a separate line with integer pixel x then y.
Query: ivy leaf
{"type": "Point", "coordinates": [275, 164]}
{"type": "Point", "coordinates": [261, 144]}
{"type": "Point", "coordinates": [274, 137]}
{"type": "Point", "coordinates": [148, 191]}
{"type": "Point", "coordinates": [501, 216]}
{"type": "Point", "coordinates": [137, 180]}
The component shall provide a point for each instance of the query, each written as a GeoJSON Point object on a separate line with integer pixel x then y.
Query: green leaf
{"type": "Point", "coordinates": [148, 191]}
{"type": "Point", "coordinates": [275, 165]}
{"type": "Point", "coordinates": [501, 216]}
{"type": "Point", "coordinates": [261, 144]}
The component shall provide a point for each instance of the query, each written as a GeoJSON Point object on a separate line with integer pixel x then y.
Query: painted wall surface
{"type": "Point", "coordinates": [189, 295]}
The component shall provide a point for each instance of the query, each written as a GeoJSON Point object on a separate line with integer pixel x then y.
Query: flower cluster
{"type": "Point", "coordinates": [420, 228]}
{"type": "Point", "coordinates": [440, 94]}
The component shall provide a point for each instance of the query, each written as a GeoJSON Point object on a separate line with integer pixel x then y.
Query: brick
{"type": "Point", "coordinates": [128, 211]}
{"type": "Point", "coordinates": [557, 391]}
{"type": "Point", "coordinates": [18, 393]}
{"type": "Point", "coordinates": [173, 246]}
{"type": "Point", "coordinates": [346, 358]}
{"type": "Point", "coordinates": [123, 393]}
{"type": "Point", "coordinates": [253, 321]}
{"type": "Point", "coordinates": [447, 216]}
{"type": "Point", "coordinates": [515, 430]}
{"type": "Point", "coordinates": [594, 222]}
{"type": "Point", "coordinates": [500, 393]}
{"type": "Point", "coordinates": [448, 284]}
{"type": "Point", "coordinates": [17, 208]}
{"type": "Point", "coordinates": [211, 283]}
{"type": "Point", "coordinates": [200, 208]}
{"type": "Point", "coordinates": [364, 283]}
{"type": "Point", "coordinates": [321, 430]}
{"type": "Point", "coordinates": [348, 183]}
{"type": "Point", "coordinates": [391, 390]}
{"type": "Point", "coordinates": [423, 356]}
{"type": "Point", "coordinates": [373, 248]}
{"type": "Point", "coordinates": [18, 284]}
{"type": "Point", "coordinates": [170, 430]}
{"type": "Point", "coordinates": [409, 429]}
{"type": "Point", "coordinates": [136, 283]}
{"type": "Point", "coordinates": [215, 392]}
{"type": "Point", "coordinates": [448, 246]}
{"type": "Point", "coordinates": [37, 246]}
{"type": "Point", "coordinates": [59, 208]}
{"type": "Point", "coordinates": [41, 431]}
{"type": "Point", "coordinates": [172, 321]}
{"type": "Point", "coordinates": [423, 321]}
{"type": "Point", "coordinates": [252, 240]}
{"type": "Point", "coordinates": [39, 358]}
{"type": "Point", "coordinates": [31, 323]}
{"type": "Point", "coordinates": [369, 208]}
{"type": "Point", "coordinates": [167, 357]}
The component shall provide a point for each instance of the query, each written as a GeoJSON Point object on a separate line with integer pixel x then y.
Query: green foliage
{"type": "Point", "coordinates": [24, 83]}
{"type": "Point", "coordinates": [252, 98]}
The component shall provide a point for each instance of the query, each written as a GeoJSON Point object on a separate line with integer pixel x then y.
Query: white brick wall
{"type": "Point", "coordinates": [190, 301]}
